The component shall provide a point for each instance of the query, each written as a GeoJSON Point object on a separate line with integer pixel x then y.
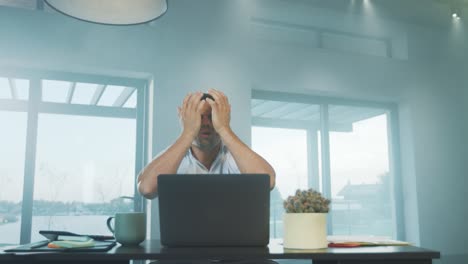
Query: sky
{"type": "Point", "coordinates": [356, 157]}
{"type": "Point", "coordinates": [79, 158]}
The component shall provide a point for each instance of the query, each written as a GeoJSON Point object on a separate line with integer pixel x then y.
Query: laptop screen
{"type": "Point", "coordinates": [214, 209]}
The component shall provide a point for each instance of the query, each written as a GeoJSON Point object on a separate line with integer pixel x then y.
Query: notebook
{"type": "Point", "coordinates": [214, 209]}
{"type": "Point", "coordinates": [66, 241]}
{"type": "Point", "coordinates": [41, 246]}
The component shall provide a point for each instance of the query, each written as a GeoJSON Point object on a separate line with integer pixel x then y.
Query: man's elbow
{"type": "Point", "coordinates": [272, 184]}
{"type": "Point", "coordinates": [272, 175]}
{"type": "Point", "coordinates": [149, 192]}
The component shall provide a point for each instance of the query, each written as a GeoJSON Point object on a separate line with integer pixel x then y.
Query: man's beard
{"type": "Point", "coordinates": [207, 144]}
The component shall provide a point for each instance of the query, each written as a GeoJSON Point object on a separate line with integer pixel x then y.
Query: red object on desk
{"type": "Point", "coordinates": [51, 245]}
{"type": "Point", "coordinates": [346, 244]}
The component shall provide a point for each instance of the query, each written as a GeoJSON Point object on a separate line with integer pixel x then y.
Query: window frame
{"type": "Point", "coordinates": [323, 102]}
{"type": "Point", "coordinates": [34, 106]}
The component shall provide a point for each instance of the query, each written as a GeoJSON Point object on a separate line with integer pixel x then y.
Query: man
{"type": "Point", "coordinates": [206, 145]}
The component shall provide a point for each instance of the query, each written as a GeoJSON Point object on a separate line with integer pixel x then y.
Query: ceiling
{"type": "Point", "coordinates": [429, 13]}
{"type": "Point", "coordinates": [422, 12]}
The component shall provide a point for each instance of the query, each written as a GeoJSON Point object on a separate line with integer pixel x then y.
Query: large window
{"type": "Point", "coordinates": [359, 173]}
{"type": "Point", "coordinates": [14, 95]}
{"type": "Point", "coordinates": [338, 147]}
{"type": "Point", "coordinates": [287, 150]}
{"type": "Point", "coordinates": [12, 144]}
{"type": "Point", "coordinates": [72, 147]}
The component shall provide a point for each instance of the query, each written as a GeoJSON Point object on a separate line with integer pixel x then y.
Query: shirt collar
{"type": "Point", "coordinates": [219, 157]}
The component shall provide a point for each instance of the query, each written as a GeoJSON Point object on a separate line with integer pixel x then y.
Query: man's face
{"type": "Point", "coordinates": [207, 137]}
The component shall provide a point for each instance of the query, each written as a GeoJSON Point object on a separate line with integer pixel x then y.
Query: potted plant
{"type": "Point", "coordinates": [305, 220]}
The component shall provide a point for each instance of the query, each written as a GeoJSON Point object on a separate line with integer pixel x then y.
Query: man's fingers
{"type": "Point", "coordinates": [214, 93]}
{"type": "Point", "coordinates": [195, 99]}
{"type": "Point", "coordinates": [219, 96]}
{"type": "Point", "coordinates": [199, 96]}
{"type": "Point", "coordinates": [200, 105]}
{"type": "Point", "coordinates": [212, 103]}
{"type": "Point", "coordinates": [186, 99]}
{"type": "Point", "coordinates": [190, 104]}
{"type": "Point", "coordinates": [215, 110]}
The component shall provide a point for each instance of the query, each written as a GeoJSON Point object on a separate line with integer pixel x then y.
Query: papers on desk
{"type": "Point", "coordinates": [43, 247]}
{"type": "Point", "coordinates": [62, 241]}
{"type": "Point", "coordinates": [72, 242]}
{"type": "Point", "coordinates": [363, 241]}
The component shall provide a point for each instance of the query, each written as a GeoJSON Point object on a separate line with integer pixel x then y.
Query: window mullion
{"type": "Point", "coordinates": [30, 160]}
{"type": "Point", "coordinates": [313, 158]}
{"type": "Point", "coordinates": [395, 172]}
{"type": "Point", "coordinates": [141, 138]}
{"type": "Point", "coordinates": [325, 145]}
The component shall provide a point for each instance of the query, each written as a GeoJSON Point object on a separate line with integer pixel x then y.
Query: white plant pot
{"type": "Point", "coordinates": [305, 230]}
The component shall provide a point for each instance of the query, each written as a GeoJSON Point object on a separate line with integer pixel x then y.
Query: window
{"type": "Point", "coordinates": [13, 120]}
{"type": "Point", "coordinates": [13, 141]}
{"type": "Point", "coordinates": [73, 146]}
{"type": "Point", "coordinates": [359, 166]}
{"type": "Point", "coordinates": [281, 133]}
{"type": "Point", "coordinates": [289, 155]}
{"type": "Point", "coordinates": [338, 147]}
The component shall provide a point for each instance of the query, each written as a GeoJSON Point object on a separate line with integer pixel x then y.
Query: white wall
{"type": "Point", "coordinates": [196, 46]}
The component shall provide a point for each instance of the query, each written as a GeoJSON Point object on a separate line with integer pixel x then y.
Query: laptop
{"type": "Point", "coordinates": [214, 209]}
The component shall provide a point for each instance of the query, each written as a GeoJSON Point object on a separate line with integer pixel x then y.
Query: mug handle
{"type": "Point", "coordinates": [109, 226]}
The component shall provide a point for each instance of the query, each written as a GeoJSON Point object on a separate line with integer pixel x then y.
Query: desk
{"type": "Point", "coordinates": [152, 249]}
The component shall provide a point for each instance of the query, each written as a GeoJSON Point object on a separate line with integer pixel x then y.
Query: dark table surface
{"type": "Point", "coordinates": [152, 249]}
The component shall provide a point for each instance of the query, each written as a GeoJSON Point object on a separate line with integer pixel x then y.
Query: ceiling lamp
{"type": "Point", "coordinates": [455, 10]}
{"type": "Point", "coordinates": [111, 12]}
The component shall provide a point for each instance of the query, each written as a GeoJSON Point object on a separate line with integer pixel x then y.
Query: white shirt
{"type": "Point", "coordinates": [224, 163]}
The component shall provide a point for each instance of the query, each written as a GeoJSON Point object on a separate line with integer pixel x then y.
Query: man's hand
{"type": "Point", "coordinates": [190, 114]}
{"type": "Point", "coordinates": [246, 159]}
{"type": "Point", "coordinates": [220, 111]}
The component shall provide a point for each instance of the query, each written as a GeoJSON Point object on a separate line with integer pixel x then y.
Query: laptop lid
{"type": "Point", "coordinates": [214, 209]}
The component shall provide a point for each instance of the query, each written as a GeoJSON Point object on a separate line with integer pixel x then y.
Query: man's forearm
{"type": "Point", "coordinates": [246, 159]}
{"type": "Point", "coordinates": [166, 163]}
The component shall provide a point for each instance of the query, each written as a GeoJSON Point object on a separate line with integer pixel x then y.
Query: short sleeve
{"type": "Point", "coordinates": [184, 164]}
